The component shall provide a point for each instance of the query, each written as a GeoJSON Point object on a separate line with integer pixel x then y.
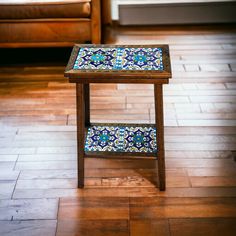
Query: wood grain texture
{"type": "Point", "coordinates": [80, 103]}
{"type": "Point", "coordinates": [118, 76]}
{"type": "Point", "coordinates": [149, 227]}
{"type": "Point", "coordinates": [87, 104]}
{"type": "Point", "coordinates": [28, 227]}
{"type": "Point", "coordinates": [28, 209]}
{"type": "Point", "coordinates": [38, 146]}
{"type": "Point", "coordinates": [93, 227]}
{"type": "Point", "coordinates": [151, 208]}
{"type": "Point", "coordinates": [160, 136]}
{"type": "Point", "coordinates": [203, 226]}
{"type": "Point", "coordinates": [94, 208]}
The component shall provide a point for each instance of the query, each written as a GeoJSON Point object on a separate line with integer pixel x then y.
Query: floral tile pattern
{"type": "Point", "coordinates": [121, 139]}
{"type": "Point", "coordinates": [90, 58]}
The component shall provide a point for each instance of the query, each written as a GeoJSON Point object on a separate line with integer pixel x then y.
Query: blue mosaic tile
{"type": "Point", "coordinates": [90, 58]}
{"type": "Point", "coordinates": [121, 139]}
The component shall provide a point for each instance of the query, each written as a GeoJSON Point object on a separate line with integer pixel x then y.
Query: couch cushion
{"type": "Point", "coordinates": [36, 9]}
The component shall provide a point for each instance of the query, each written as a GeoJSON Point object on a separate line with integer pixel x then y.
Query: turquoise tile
{"type": "Point", "coordinates": [91, 58]}
{"type": "Point", "coordinates": [132, 139]}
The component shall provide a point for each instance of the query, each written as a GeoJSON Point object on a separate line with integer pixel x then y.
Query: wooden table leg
{"type": "Point", "coordinates": [87, 104]}
{"type": "Point", "coordinates": [160, 135]}
{"type": "Point", "coordinates": [80, 108]}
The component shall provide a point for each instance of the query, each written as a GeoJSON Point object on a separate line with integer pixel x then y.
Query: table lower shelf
{"type": "Point", "coordinates": [121, 140]}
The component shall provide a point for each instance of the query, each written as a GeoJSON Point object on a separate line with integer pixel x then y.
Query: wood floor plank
{"type": "Point", "coordinates": [28, 227]}
{"type": "Point", "coordinates": [46, 183]}
{"type": "Point", "coordinates": [7, 165]}
{"type": "Point", "coordinates": [207, 172]}
{"type": "Point", "coordinates": [92, 227]}
{"type": "Point", "coordinates": [19, 150]}
{"type": "Point", "coordinates": [213, 181]}
{"type": "Point", "coordinates": [149, 227]}
{"type": "Point", "coordinates": [48, 165]}
{"type": "Point", "coordinates": [8, 175]}
{"type": "Point", "coordinates": [184, 162]}
{"type": "Point", "coordinates": [28, 209]}
{"type": "Point", "coordinates": [196, 154]}
{"type": "Point", "coordinates": [203, 226]}
{"type": "Point", "coordinates": [45, 174]}
{"type": "Point", "coordinates": [94, 208]}
{"type": "Point", "coordinates": [152, 208]}
{"type": "Point", "coordinates": [38, 148]}
{"type": "Point", "coordinates": [8, 158]}
{"type": "Point", "coordinates": [126, 192]}
{"type": "Point", "coordinates": [6, 188]}
{"type": "Point", "coordinates": [46, 157]}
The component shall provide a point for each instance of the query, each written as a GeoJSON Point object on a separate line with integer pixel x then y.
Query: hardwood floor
{"type": "Point", "coordinates": [38, 186]}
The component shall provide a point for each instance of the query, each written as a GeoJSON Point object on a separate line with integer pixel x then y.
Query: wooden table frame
{"type": "Point", "coordinates": [83, 78]}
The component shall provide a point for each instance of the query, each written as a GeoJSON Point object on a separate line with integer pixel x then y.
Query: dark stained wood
{"type": "Point", "coordinates": [119, 76]}
{"type": "Point", "coordinates": [125, 191]}
{"type": "Point", "coordinates": [105, 78]}
{"type": "Point", "coordinates": [79, 76]}
{"type": "Point", "coordinates": [160, 135]}
{"type": "Point", "coordinates": [80, 132]}
{"type": "Point", "coordinates": [87, 104]}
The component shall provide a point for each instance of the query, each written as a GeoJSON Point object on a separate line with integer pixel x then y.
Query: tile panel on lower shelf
{"type": "Point", "coordinates": [121, 139]}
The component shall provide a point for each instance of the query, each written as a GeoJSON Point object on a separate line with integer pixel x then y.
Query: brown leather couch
{"type": "Point", "coordinates": [37, 23]}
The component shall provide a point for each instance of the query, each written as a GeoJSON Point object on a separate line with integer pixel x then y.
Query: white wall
{"type": "Point", "coordinates": [115, 3]}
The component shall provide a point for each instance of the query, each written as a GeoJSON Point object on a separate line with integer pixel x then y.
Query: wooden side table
{"type": "Point", "coordinates": [145, 64]}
